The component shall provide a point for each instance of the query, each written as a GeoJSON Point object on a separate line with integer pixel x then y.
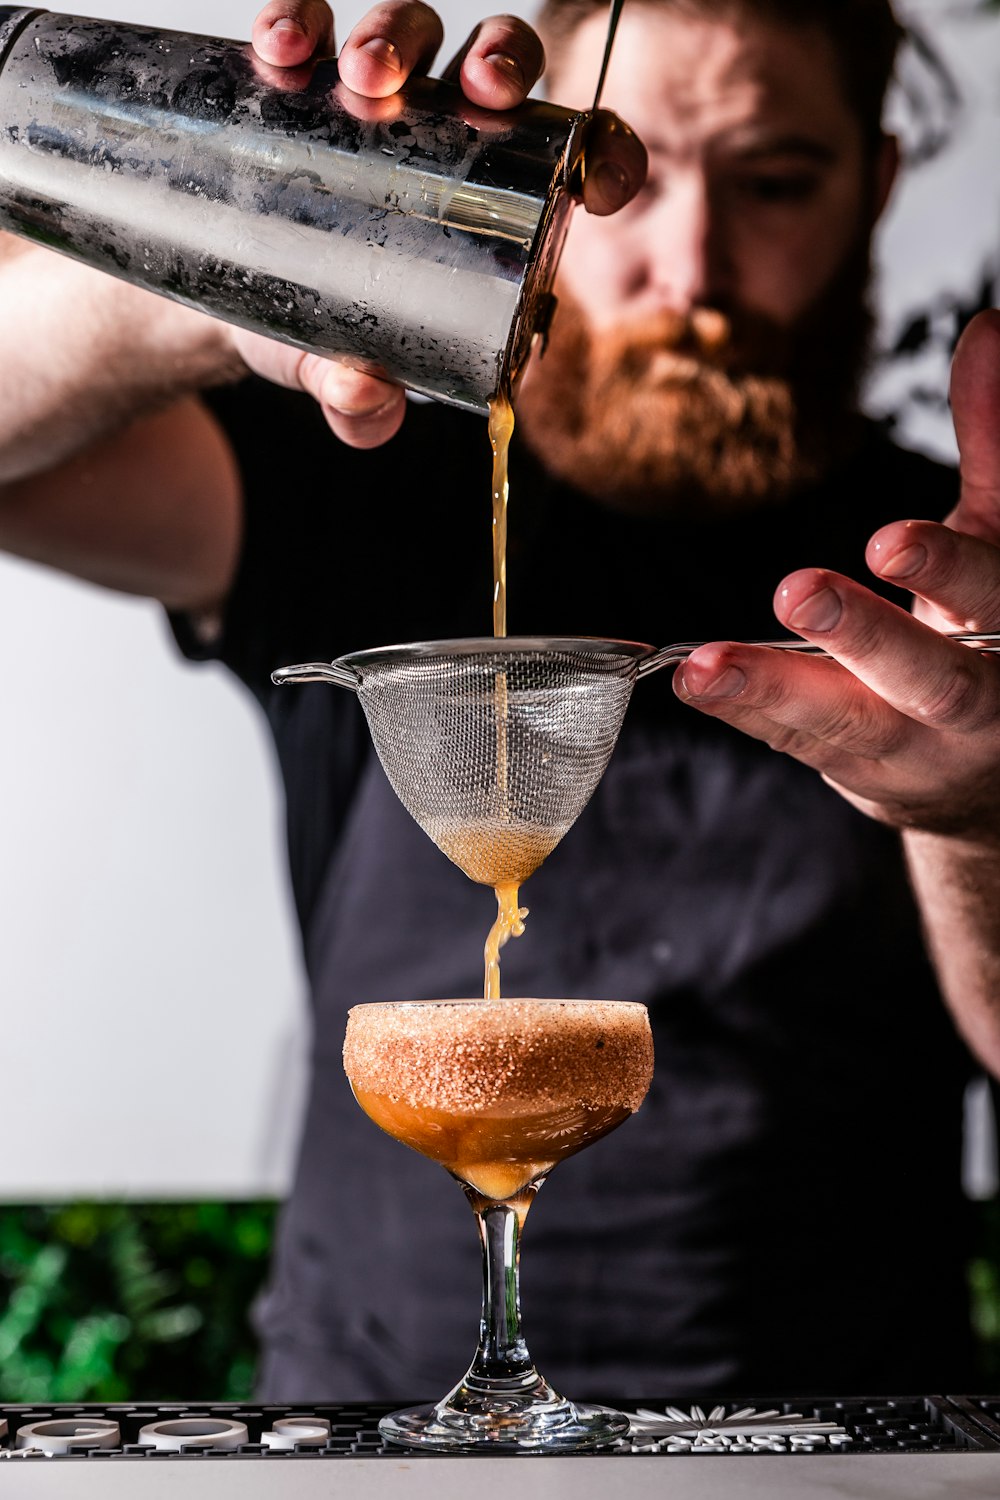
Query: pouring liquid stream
{"type": "Point", "coordinates": [510, 916]}
{"type": "Point", "coordinates": [501, 431]}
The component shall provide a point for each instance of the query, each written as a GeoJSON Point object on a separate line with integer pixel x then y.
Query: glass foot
{"type": "Point", "coordinates": [505, 1422]}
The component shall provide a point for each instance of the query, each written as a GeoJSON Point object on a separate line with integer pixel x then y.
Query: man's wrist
{"type": "Point", "coordinates": [190, 349]}
{"type": "Point", "coordinates": [981, 847]}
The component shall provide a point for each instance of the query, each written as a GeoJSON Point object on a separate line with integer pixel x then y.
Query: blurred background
{"type": "Point", "coordinates": [152, 997]}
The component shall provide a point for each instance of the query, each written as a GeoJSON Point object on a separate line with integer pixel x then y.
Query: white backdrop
{"type": "Point", "coordinates": [150, 989]}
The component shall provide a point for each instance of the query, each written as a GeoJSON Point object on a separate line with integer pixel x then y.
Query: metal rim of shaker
{"type": "Point", "coordinates": [514, 357]}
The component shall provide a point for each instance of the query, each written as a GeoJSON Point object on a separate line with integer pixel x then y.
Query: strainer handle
{"type": "Point", "coordinates": [317, 671]}
{"type": "Point", "coordinates": [669, 656]}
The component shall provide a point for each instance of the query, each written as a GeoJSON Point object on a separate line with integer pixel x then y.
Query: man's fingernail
{"type": "Point", "coordinates": [288, 23]}
{"type": "Point", "coordinates": [821, 611]}
{"type": "Point", "coordinates": [904, 563]}
{"type": "Point", "coordinates": [383, 51]}
{"type": "Point", "coordinates": [508, 66]}
{"type": "Point", "coordinates": [701, 684]}
{"type": "Point", "coordinates": [611, 184]}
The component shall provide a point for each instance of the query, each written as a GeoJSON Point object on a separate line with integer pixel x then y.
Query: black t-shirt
{"type": "Point", "coordinates": [784, 1212]}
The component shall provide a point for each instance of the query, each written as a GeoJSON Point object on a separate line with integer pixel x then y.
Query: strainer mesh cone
{"type": "Point", "coordinates": [496, 750]}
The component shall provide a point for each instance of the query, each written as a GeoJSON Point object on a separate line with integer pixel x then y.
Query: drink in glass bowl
{"type": "Point", "coordinates": [498, 1092]}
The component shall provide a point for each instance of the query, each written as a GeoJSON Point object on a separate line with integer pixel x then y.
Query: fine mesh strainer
{"type": "Point", "coordinates": [495, 746]}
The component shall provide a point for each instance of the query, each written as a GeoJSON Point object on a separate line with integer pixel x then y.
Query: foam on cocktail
{"type": "Point", "coordinates": [499, 1092]}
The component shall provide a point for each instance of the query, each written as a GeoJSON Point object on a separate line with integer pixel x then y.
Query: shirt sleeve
{"type": "Point", "coordinates": [282, 607]}
{"type": "Point", "coordinates": [344, 548]}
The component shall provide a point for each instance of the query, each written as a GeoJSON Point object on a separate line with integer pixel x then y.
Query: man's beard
{"type": "Point", "coordinates": [711, 411]}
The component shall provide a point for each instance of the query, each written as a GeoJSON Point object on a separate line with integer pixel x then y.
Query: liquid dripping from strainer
{"type": "Point", "coordinates": [502, 857]}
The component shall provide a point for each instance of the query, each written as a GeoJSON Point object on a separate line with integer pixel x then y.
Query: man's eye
{"type": "Point", "coordinates": [786, 188]}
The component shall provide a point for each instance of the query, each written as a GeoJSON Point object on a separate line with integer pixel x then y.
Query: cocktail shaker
{"type": "Point", "coordinates": [415, 237]}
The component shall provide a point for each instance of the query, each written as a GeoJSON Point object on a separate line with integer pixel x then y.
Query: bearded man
{"type": "Point", "coordinates": [785, 1211]}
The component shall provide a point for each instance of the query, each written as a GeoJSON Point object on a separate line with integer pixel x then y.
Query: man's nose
{"type": "Point", "coordinates": [684, 260]}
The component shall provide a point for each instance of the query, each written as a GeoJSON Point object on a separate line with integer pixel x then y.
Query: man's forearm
{"type": "Point", "coordinates": [83, 354]}
{"type": "Point", "coordinates": [957, 885]}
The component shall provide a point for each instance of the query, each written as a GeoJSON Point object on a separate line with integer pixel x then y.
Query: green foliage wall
{"type": "Point", "coordinates": [106, 1302]}
{"type": "Point", "coordinates": [984, 1287]}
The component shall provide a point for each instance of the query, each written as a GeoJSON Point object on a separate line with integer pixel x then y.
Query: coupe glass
{"type": "Point", "coordinates": [498, 1092]}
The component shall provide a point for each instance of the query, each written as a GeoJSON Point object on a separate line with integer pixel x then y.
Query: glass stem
{"type": "Point", "coordinates": [502, 1354]}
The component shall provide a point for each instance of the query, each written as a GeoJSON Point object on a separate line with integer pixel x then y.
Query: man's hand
{"type": "Point", "coordinates": [903, 722]}
{"type": "Point", "coordinates": [497, 68]}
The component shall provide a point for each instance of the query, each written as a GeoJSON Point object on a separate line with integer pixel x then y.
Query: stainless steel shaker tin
{"type": "Point", "coordinates": [415, 237]}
